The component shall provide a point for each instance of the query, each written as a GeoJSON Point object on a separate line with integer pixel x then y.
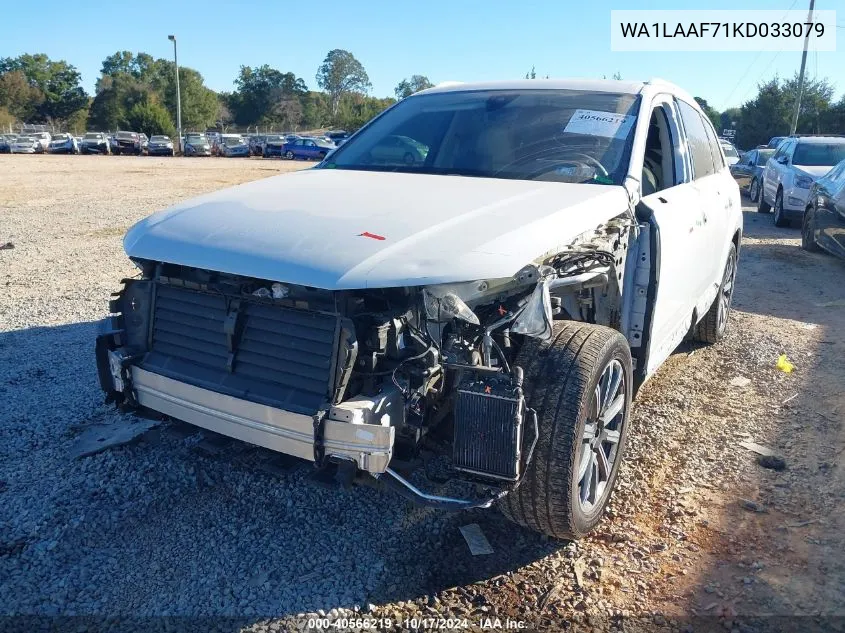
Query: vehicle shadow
{"type": "Point", "coordinates": [169, 526]}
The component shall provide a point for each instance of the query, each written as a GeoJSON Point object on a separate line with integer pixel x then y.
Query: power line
{"type": "Point", "coordinates": [754, 61]}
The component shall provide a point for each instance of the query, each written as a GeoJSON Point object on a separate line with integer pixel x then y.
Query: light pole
{"type": "Point", "coordinates": [172, 38]}
{"type": "Point", "coordinates": [794, 125]}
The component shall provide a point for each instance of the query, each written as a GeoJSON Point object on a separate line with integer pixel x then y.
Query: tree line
{"type": "Point", "coordinates": [138, 92]}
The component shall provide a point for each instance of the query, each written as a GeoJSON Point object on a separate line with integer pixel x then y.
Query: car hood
{"type": "Point", "coordinates": [339, 229]}
{"type": "Point", "coordinates": [814, 171]}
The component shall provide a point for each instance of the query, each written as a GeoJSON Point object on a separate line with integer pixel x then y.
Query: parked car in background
{"type": "Point", "coordinates": [95, 143]}
{"type": "Point", "coordinates": [730, 151]}
{"type": "Point", "coordinates": [337, 135]}
{"type": "Point", "coordinates": [791, 171]}
{"type": "Point", "coordinates": [502, 299]}
{"type": "Point", "coordinates": [823, 222]}
{"type": "Point", "coordinates": [396, 149]}
{"type": "Point", "coordinates": [43, 139]}
{"type": "Point", "coordinates": [308, 148]}
{"type": "Point", "coordinates": [274, 145]}
{"type": "Point", "coordinates": [6, 141]}
{"type": "Point", "coordinates": [197, 145]}
{"type": "Point", "coordinates": [748, 172]}
{"type": "Point", "coordinates": [160, 145]}
{"type": "Point", "coordinates": [145, 142]}
{"type": "Point", "coordinates": [775, 141]}
{"type": "Point", "coordinates": [26, 145]}
{"type": "Point", "coordinates": [63, 144]}
{"type": "Point", "coordinates": [256, 144]}
{"type": "Point", "coordinates": [127, 143]}
{"type": "Point", "coordinates": [233, 146]}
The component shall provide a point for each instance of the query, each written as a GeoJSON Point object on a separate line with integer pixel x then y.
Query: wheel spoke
{"type": "Point", "coordinates": [602, 464]}
{"type": "Point", "coordinates": [589, 431]}
{"type": "Point", "coordinates": [613, 409]}
{"type": "Point", "coordinates": [611, 436]}
{"type": "Point", "coordinates": [613, 384]}
{"type": "Point", "coordinates": [587, 481]}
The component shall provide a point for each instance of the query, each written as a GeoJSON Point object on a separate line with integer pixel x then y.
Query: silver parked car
{"type": "Point", "coordinates": [748, 172]}
{"type": "Point", "coordinates": [63, 144]}
{"type": "Point", "coordinates": [26, 145]}
{"type": "Point", "coordinates": [94, 143]}
{"type": "Point", "coordinates": [196, 145]}
{"type": "Point", "coordinates": [160, 145]}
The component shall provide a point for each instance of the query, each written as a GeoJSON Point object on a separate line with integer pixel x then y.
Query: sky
{"type": "Point", "coordinates": [454, 40]}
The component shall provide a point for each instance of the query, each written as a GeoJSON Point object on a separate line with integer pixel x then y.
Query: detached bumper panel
{"type": "Point", "coordinates": [272, 428]}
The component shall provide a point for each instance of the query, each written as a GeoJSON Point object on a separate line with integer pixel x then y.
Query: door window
{"type": "Point", "coordinates": [659, 160]}
{"type": "Point", "coordinates": [715, 148]}
{"type": "Point", "coordinates": [699, 144]}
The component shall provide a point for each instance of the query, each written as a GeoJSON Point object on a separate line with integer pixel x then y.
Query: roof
{"type": "Point", "coordinates": [820, 139]}
{"type": "Point", "coordinates": [652, 86]}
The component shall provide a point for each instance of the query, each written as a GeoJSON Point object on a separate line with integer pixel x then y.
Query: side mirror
{"type": "Point", "coordinates": [783, 160]}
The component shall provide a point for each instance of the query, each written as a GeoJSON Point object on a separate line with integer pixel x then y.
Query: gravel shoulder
{"type": "Point", "coordinates": [178, 525]}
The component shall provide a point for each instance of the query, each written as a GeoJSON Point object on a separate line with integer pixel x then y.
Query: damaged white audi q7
{"type": "Point", "coordinates": [484, 274]}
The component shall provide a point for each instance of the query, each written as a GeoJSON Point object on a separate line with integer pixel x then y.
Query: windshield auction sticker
{"type": "Point", "coordinates": [596, 123]}
{"type": "Point", "coordinates": [722, 30]}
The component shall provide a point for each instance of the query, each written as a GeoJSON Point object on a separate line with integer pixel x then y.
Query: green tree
{"type": "Point", "coordinates": [407, 87]}
{"type": "Point", "coordinates": [354, 110]}
{"type": "Point", "coordinates": [260, 91]}
{"type": "Point", "coordinates": [531, 74]}
{"type": "Point", "coordinates": [342, 74]}
{"type": "Point", "coordinates": [712, 113]}
{"type": "Point", "coordinates": [117, 95]}
{"type": "Point", "coordinates": [7, 119]}
{"type": "Point", "coordinates": [150, 118]}
{"type": "Point", "coordinates": [18, 96]}
{"type": "Point", "coordinates": [58, 82]}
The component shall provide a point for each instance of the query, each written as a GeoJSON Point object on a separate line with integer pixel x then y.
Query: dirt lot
{"type": "Point", "coordinates": [170, 527]}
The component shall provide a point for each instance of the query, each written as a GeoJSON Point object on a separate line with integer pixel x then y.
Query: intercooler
{"type": "Point", "coordinates": [488, 429]}
{"type": "Point", "coordinates": [258, 351]}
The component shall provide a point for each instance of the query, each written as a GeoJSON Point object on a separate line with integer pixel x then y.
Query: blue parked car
{"type": "Point", "coordinates": [310, 148]}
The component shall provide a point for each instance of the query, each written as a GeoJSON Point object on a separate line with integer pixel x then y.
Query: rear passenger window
{"type": "Point", "coordinates": [715, 149]}
{"type": "Point", "coordinates": [699, 144]}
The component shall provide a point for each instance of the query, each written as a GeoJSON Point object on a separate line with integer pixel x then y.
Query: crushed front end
{"type": "Point", "coordinates": [363, 379]}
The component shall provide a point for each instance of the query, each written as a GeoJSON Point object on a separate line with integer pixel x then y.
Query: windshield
{"type": "Point", "coordinates": [274, 139]}
{"type": "Point", "coordinates": [554, 135]}
{"type": "Point", "coordinates": [127, 135]}
{"type": "Point", "coordinates": [196, 138]}
{"type": "Point", "coordinates": [730, 151]}
{"type": "Point", "coordinates": [819, 154]}
{"type": "Point", "coordinates": [764, 155]}
{"type": "Point", "coordinates": [94, 137]}
{"type": "Point", "coordinates": [160, 139]}
{"type": "Point", "coordinates": [228, 140]}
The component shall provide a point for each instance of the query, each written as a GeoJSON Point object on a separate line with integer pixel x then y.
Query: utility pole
{"type": "Point", "coordinates": [172, 38]}
{"type": "Point", "coordinates": [801, 73]}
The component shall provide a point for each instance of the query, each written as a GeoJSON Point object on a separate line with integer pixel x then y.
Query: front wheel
{"type": "Point", "coordinates": [781, 221]}
{"type": "Point", "coordinates": [712, 327]}
{"type": "Point", "coordinates": [580, 384]}
{"type": "Point", "coordinates": [289, 155]}
{"type": "Point", "coordinates": [808, 231]}
{"type": "Point", "coordinates": [754, 191]}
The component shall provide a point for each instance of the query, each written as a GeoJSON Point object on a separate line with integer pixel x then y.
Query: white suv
{"type": "Point", "coordinates": [792, 170]}
{"type": "Point", "coordinates": [499, 298]}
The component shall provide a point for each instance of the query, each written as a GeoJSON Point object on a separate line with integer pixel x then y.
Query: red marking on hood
{"type": "Point", "coordinates": [371, 235]}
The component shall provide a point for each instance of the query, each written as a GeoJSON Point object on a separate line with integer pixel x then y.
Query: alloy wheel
{"type": "Point", "coordinates": [726, 292]}
{"type": "Point", "coordinates": [600, 439]}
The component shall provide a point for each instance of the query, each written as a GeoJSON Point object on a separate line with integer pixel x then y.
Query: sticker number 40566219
{"type": "Point", "coordinates": [596, 123]}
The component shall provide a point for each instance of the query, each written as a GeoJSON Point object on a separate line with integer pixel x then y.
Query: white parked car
{"type": "Point", "coordinates": [26, 145]}
{"type": "Point", "coordinates": [798, 162]}
{"type": "Point", "coordinates": [43, 139]}
{"type": "Point", "coordinates": [731, 155]}
{"type": "Point", "coordinates": [499, 300]}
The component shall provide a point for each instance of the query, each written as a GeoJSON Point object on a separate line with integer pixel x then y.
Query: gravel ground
{"type": "Point", "coordinates": [178, 524]}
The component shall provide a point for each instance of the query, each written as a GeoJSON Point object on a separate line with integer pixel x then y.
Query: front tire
{"type": "Point", "coordinates": [580, 385]}
{"type": "Point", "coordinates": [711, 329]}
{"type": "Point", "coordinates": [289, 155]}
{"type": "Point", "coordinates": [808, 231]}
{"type": "Point", "coordinates": [780, 218]}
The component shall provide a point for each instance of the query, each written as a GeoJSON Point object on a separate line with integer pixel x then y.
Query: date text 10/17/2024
{"type": "Point", "coordinates": [443, 624]}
